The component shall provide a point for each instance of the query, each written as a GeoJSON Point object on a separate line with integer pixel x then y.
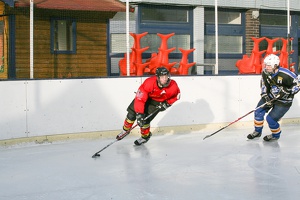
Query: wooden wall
{"type": "Point", "coordinates": [90, 58]}
{"type": "Point", "coordinates": [3, 43]}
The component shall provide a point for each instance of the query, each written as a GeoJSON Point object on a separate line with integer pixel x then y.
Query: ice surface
{"type": "Point", "coordinates": [169, 167]}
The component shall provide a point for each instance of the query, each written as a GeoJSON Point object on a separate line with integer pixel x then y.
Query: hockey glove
{"type": "Point", "coordinates": [140, 119]}
{"type": "Point", "coordinates": [267, 99]}
{"type": "Point", "coordinates": [162, 106]}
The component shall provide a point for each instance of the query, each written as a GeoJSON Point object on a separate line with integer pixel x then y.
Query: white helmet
{"type": "Point", "coordinates": [272, 60]}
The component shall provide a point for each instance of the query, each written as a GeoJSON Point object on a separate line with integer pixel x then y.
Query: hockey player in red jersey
{"type": "Point", "coordinates": [278, 87]}
{"type": "Point", "coordinates": [156, 92]}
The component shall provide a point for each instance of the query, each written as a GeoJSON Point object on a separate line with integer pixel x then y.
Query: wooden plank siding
{"type": "Point", "coordinates": [90, 59]}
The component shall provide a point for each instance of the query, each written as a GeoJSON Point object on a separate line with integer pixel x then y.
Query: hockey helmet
{"type": "Point", "coordinates": [162, 71]}
{"type": "Point", "coordinates": [272, 60]}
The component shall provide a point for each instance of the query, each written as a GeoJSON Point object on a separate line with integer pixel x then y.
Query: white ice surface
{"type": "Point", "coordinates": [169, 167]}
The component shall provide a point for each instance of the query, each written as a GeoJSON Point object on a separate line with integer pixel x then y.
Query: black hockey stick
{"type": "Point", "coordinates": [239, 118]}
{"type": "Point", "coordinates": [97, 154]}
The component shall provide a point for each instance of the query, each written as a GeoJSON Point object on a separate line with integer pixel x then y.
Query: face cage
{"type": "Point", "coordinates": [273, 70]}
{"type": "Point", "coordinates": [167, 83]}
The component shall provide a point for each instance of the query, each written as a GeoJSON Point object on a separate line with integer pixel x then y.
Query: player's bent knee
{"type": "Point", "coordinates": [131, 116]}
{"type": "Point", "coordinates": [259, 114]}
{"type": "Point", "coordinates": [271, 121]}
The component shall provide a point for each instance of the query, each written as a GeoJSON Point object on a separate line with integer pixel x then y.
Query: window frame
{"type": "Point", "coordinates": [153, 27]}
{"type": "Point", "coordinates": [165, 27]}
{"type": "Point", "coordinates": [227, 30]}
{"type": "Point", "coordinates": [52, 35]}
{"type": "Point", "coordinates": [179, 28]}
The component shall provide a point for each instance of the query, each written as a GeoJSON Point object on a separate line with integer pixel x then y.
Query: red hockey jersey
{"type": "Point", "coordinates": [150, 89]}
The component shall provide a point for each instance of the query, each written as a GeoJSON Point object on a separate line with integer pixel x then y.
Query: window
{"type": "Point", "coordinates": [231, 39]}
{"type": "Point", "coordinates": [164, 15]}
{"type": "Point", "coordinates": [118, 43]}
{"type": "Point", "coordinates": [272, 19]}
{"type": "Point", "coordinates": [166, 20]}
{"type": "Point", "coordinates": [153, 41]}
{"type": "Point", "coordinates": [223, 17]}
{"type": "Point", "coordinates": [227, 44]}
{"type": "Point", "coordinates": [63, 36]}
{"type": "Point", "coordinates": [231, 32]}
{"type": "Point", "coordinates": [153, 19]}
{"type": "Point", "coordinates": [263, 45]}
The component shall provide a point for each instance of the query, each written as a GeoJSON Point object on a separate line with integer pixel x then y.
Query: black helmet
{"type": "Point", "coordinates": [162, 71]}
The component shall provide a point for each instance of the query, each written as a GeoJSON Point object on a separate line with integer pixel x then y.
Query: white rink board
{"type": "Point", "coordinates": [13, 109]}
{"type": "Point", "coordinates": [50, 107]}
{"type": "Point", "coordinates": [70, 106]}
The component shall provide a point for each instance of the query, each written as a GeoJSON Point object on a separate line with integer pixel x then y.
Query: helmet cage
{"type": "Point", "coordinates": [162, 71]}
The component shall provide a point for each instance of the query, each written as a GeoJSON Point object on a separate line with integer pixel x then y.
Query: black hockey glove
{"type": "Point", "coordinates": [162, 106]}
{"type": "Point", "coordinates": [140, 119]}
{"type": "Point", "coordinates": [267, 99]}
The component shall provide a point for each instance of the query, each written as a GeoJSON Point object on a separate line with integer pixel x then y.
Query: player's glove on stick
{"type": "Point", "coordinates": [162, 106]}
{"type": "Point", "coordinates": [140, 119]}
{"type": "Point", "coordinates": [267, 99]}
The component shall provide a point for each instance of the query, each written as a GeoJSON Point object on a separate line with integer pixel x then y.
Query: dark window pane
{"type": "Point", "coordinates": [164, 15]}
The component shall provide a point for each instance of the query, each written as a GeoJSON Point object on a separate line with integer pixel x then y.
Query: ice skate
{"type": "Point", "coordinates": [270, 138]}
{"type": "Point", "coordinates": [253, 135]}
{"type": "Point", "coordinates": [142, 139]}
{"type": "Point", "coordinates": [121, 135]}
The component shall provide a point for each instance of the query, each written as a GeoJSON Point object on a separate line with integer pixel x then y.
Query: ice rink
{"type": "Point", "coordinates": [170, 166]}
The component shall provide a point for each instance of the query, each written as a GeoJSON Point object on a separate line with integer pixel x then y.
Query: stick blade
{"type": "Point", "coordinates": [206, 137]}
{"type": "Point", "coordinates": [96, 155]}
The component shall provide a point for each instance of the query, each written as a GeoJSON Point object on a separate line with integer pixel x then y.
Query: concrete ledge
{"type": "Point", "coordinates": [135, 132]}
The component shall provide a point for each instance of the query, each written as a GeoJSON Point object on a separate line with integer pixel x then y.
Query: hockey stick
{"type": "Point", "coordinates": [97, 154]}
{"type": "Point", "coordinates": [239, 118]}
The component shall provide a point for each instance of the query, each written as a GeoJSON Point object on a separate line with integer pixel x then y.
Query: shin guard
{"type": "Point", "coordinates": [259, 120]}
{"type": "Point", "coordinates": [274, 126]}
{"type": "Point", "coordinates": [145, 130]}
{"type": "Point", "coordinates": [127, 124]}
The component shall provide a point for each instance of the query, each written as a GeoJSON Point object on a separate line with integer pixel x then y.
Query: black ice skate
{"type": "Point", "coordinates": [142, 139]}
{"type": "Point", "coordinates": [253, 135]}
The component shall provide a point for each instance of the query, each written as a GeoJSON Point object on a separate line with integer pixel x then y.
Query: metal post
{"type": "Point", "coordinates": [127, 39]}
{"type": "Point", "coordinates": [31, 38]}
{"type": "Point", "coordinates": [288, 33]}
{"type": "Point", "coordinates": [216, 37]}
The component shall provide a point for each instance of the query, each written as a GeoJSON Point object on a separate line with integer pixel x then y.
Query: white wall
{"type": "Point", "coordinates": [49, 107]}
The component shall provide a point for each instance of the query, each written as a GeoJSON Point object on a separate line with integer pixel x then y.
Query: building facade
{"type": "Point", "coordinates": [193, 23]}
{"type": "Point", "coordinates": [89, 40]}
{"type": "Point", "coordinates": [69, 40]}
